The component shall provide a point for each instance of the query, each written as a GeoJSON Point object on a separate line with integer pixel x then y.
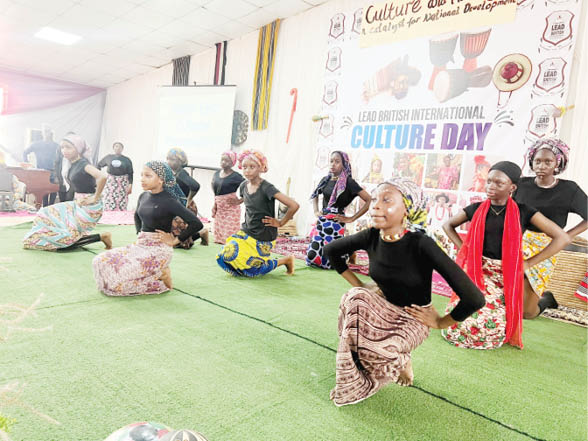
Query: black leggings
{"type": "Point", "coordinates": [84, 240]}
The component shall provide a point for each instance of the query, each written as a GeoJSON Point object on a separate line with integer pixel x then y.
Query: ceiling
{"type": "Point", "coordinates": [125, 38]}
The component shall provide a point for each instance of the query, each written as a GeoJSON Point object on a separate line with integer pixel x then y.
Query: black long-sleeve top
{"type": "Point", "coordinates": [186, 182]}
{"type": "Point", "coordinates": [117, 165]}
{"type": "Point", "coordinates": [157, 211]}
{"type": "Point", "coordinates": [404, 269]}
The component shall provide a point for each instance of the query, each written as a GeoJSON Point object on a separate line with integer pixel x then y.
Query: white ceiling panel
{"type": "Point", "coordinates": [257, 19]}
{"type": "Point", "coordinates": [234, 29]}
{"type": "Point", "coordinates": [125, 38]}
{"type": "Point", "coordinates": [147, 17]}
{"type": "Point", "coordinates": [238, 8]}
{"type": "Point", "coordinates": [115, 8]}
{"type": "Point", "coordinates": [287, 8]}
{"type": "Point", "coordinates": [261, 3]}
{"type": "Point", "coordinates": [172, 8]}
{"type": "Point", "coordinates": [206, 19]}
{"type": "Point", "coordinates": [209, 38]}
{"type": "Point", "coordinates": [125, 30]}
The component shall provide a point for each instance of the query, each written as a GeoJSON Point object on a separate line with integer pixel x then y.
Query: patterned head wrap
{"type": "Point", "coordinates": [341, 182]}
{"type": "Point", "coordinates": [166, 174]}
{"type": "Point", "coordinates": [80, 145]}
{"type": "Point", "coordinates": [559, 148]}
{"type": "Point", "coordinates": [414, 201]}
{"type": "Point", "coordinates": [256, 156]}
{"type": "Point", "coordinates": [179, 154]}
{"type": "Point", "coordinates": [232, 156]}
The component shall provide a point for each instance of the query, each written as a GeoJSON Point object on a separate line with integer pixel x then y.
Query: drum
{"type": "Point", "coordinates": [471, 46]}
{"type": "Point", "coordinates": [440, 53]}
{"type": "Point", "coordinates": [453, 82]}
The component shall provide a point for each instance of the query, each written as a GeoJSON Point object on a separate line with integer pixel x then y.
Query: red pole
{"type": "Point", "coordinates": [294, 92]}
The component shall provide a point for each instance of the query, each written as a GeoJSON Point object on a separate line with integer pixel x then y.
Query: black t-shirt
{"type": "Point", "coordinates": [118, 165]}
{"type": "Point", "coordinates": [404, 269]}
{"type": "Point", "coordinates": [352, 189]}
{"type": "Point", "coordinates": [186, 182]}
{"type": "Point", "coordinates": [79, 179]}
{"type": "Point", "coordinates": [554, 203]}
{"type": "Point", "coordinates": [157, 211]}
{"type": "Point", "coordinates": [257, 206]}
{"type": "Point", "coordinates": [228, 184]}
{"type": "Point", "coordinates": [495, 226]}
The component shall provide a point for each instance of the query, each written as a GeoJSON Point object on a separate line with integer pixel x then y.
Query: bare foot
{"type": "Point", "coordinates": [107, 239]}
{"type": "Point", "coordinates": [166, 277]}
{"type": "Point", "coordinates": [406, 376]}
{"type": "Point", "coordinates": [290, 265]}
{"type": "Point", "coordinates": [204, 237]}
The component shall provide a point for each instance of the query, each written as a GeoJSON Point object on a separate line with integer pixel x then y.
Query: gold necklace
{"type": "Point", "coordinates": [391, 237]}
{"type": "Point", "coordinates": [499, 212]}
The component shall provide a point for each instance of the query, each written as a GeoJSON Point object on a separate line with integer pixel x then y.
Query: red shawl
{"type": "Point", "coordinates": [470, 258]}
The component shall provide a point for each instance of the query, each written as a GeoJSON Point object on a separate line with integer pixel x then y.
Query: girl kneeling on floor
{"type": "Point", "coordinates": [248, 252]}
{"type": "Point", "coordinates": [493, 258]}
{"type": "Point", "coordinates": [381, 323]}
{"type": "Point", "coordinates": [143, 267]}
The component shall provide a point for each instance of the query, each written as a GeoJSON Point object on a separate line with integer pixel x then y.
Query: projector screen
{"type": "Point", "coordinates": [198, 119]}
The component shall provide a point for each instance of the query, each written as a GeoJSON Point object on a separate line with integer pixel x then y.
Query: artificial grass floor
{"type": "Point", "coordinates": [254, 359]}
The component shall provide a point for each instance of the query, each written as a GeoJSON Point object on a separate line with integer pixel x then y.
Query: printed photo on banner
{"type": "Point", "coordinates": [443, 171]}
{"type": "Point", "coordinates": [475, 172]}
{"type": "Point", "coordinates": [409, 165]}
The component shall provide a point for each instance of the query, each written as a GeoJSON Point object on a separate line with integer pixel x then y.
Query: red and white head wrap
{"type": "Point", "coordinates": [256, 156]}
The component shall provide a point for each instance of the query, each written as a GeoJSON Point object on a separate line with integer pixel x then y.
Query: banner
{"type": "Point", "coordinates": [441, 109]}
{"type": "Point", "coordinates": [394, 21]}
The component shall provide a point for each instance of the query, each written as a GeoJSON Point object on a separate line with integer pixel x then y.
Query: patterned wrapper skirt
{"type": "Point", "coordinates": [375, 342]}
{"type": "Point", "coordinates": [178, 226]}
{"type": "Point", "coordinates": [325, 231]}
{"type": "Point", "coordinates": [485, 328]}
{"type": "Point", "coordinates": [243, 255]}
{"type": "Point", "coordinates": [135, 269]}
{"type": "Point", "coordinates": [60, 225]}
{"type": "Point", "coordinates": [227, 220]}
{"type": "Point", "coordinates": [539, 275]}
{"type": "Point", "coordinates": [116, 196]}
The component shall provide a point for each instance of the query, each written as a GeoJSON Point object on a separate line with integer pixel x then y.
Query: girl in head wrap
{"type": "Point", "coordinates": [143, 267]}
{"type": "Point", "coordinates": [555, 198]}
{"type": "Point", "coordinates": [226, 210]}
{"type": "Point", "coordinates": [339, 190]}
{"type": "Point", "coordinates": [492, 256]}
{"type": "Point", "coordinates": [66, 225]}
{"type": "Point", "coordinates": [177, 160]}
{"type": "Point", "coordinates": [120, 179]}
{"type": "Point", "coordinates": [248, 252]}
{"type": "Point", "coordinates": [374, 176]}
{"type": "Point", "coordinates": [381, 323]}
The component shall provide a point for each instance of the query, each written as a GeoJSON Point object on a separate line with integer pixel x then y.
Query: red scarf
{"type": "Point", "coordinates": [470, 258]}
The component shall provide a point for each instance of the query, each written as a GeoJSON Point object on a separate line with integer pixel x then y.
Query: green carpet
{"type": "Point", "coordinates": [253, 359]}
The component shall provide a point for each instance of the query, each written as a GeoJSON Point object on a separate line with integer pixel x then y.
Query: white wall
{"type": "Point", "coordinates": [575, 122]}
{"type": "Point", "coordinates": [131, 107]}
